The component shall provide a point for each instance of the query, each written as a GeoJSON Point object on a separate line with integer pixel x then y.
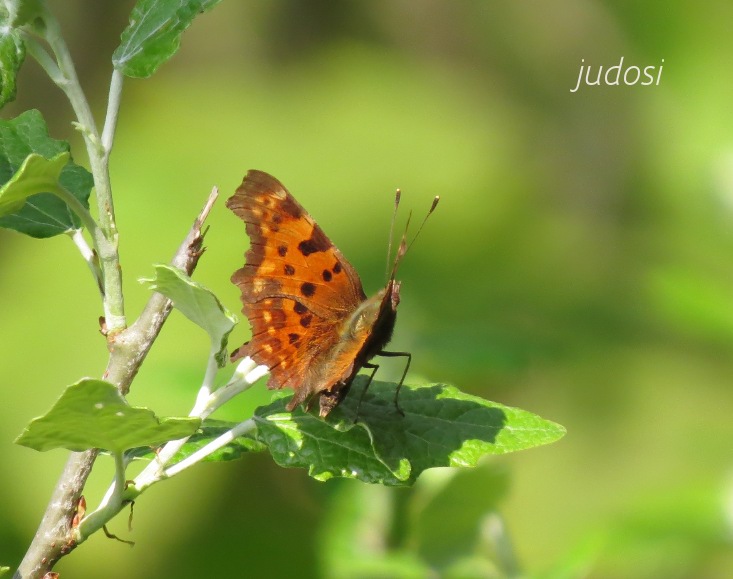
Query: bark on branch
{"type": "Point", "coordinates": [128, 350]}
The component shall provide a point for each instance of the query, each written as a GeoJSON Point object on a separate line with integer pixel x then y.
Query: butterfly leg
{"type": "Point", "coordinates": [373, 368]}
{"type": "Point", "coordinates": [404, 373]}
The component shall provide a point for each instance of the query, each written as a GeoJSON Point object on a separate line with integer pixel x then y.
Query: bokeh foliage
{"type": "Point", "coordinates": [579, 266]}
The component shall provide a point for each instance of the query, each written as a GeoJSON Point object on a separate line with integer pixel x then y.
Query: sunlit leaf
{"type": "Point", "coordinates": [197, 303]}
{"type": "Point", "coordinates": [441, 427]}
{"type": "Point", "coordinates": [35, 175]}
{"type": "Point", "coordinates": [93, 414]}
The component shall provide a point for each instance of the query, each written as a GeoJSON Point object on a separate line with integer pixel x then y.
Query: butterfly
{"type": "Point", "coordinates": [312, 324]}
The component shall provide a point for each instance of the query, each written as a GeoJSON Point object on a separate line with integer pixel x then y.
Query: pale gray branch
{"type": "Point", "coordinates": [127, 352]}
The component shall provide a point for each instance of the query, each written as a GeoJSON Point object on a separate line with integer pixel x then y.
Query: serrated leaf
{"type": "Point", "coordinates": [93, 414]}
{"type": "Point", "coordinates": [197, 303]}
{"type": "Point", "coordinates": [441, 427]}
{"type": "Point", "coordinates": [12, 55]}
{"type": "Point", "coordinates": [209, 430]}
{"type": "Point", "coordinates": [42, 215]}
{"type": "Point", "coordinates": [154, 34]}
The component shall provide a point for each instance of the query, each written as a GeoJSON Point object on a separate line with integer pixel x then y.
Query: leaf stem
{"type": "Point", "coordinates": [246, 374]}
{"type": "Point", "coordinates": [113, 109]}
{"type": "Point", "coordinates": [89, 256]}
{"type": "Point", "coordinates": [63, 73]}
{"type": "Point", "coordinates": [48, 64]}
{"type": "Point", "coordinates": [207, 384]}
{"type": "Point", "coordinates": [111, 503]}
{"type": "Point", "coordinates": [82, 212]}
{"type": "Point", "coordinates": [236, 431]}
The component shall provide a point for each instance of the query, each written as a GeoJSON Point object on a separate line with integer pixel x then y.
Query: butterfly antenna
{"type": "Point", "coordinates": [402, 249]}
{"type": "Point", "coordinates": [404, 246]}
{"type": "Point", "coordinates": [397, 196]}
{"type": "Point", "coordinates": [430, 212]}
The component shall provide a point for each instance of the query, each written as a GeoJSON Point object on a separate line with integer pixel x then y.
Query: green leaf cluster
{"type": "Point", "coordinates": [33, 166]}
{"type": "Point", "coordinates": [442, 427]}
{"type": "Point", "coordinates": [26, 201]}
{"type": "Point", "coordinates": [43, 193]}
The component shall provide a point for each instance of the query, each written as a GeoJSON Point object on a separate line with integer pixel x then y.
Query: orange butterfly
{"type": "Point", "coordinates": [312, 324]}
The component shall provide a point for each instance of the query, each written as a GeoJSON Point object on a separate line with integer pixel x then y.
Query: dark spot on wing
{"type": "Point", "coordinates": [305, 320]}
{"type": "Point", "coordinates": [293, 338]}
{"type": "Point", "coordinates": [289, 269]}
{"type": "Point", "coordinates": [308, 289]}
{"type": "Point", "coordinates": [327, 275]}
{"type": "Point", "coordinates": [317, 242]}
{"type": "Point", "coordinates": [282, 250]}
{"type": "Point", "coordinates": [336, 268]}
{"type": "Point", "coordinates": [299, 308]}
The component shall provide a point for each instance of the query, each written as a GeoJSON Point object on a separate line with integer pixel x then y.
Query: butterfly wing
{"type": "Point", "coordinates": [297, 287]}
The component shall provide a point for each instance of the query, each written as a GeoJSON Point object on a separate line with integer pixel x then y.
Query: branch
{"type": "Point", "coordinates": [63, 73]}
{"type": "Point", "coordinates": [128, 351]}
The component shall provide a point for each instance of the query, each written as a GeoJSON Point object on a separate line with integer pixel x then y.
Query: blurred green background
{"type": "Point", "coordinates": [580, 266]}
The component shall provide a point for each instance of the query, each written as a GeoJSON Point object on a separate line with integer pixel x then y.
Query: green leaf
{"type": "Point", "coordinates": [36, 174]}
{"type": "Point", "coordinates": [197, 303]}
{"type": "Point", "coordinates": [154, 34]}
{"type": "Point", "coordinates": [12, 54]}
{"type": "Point", "coordinates": [43, 214]}
{"type": "Point", "coordinates": [441, 427]}
{"type": "Point", "coordinates": [93, 414]}
{"type": "Point", "coordinates": [303, 440]}
{"type": "Point", "coordinates": [210, 430]}
{"type": "Point", "coordinates": [4, 570]}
